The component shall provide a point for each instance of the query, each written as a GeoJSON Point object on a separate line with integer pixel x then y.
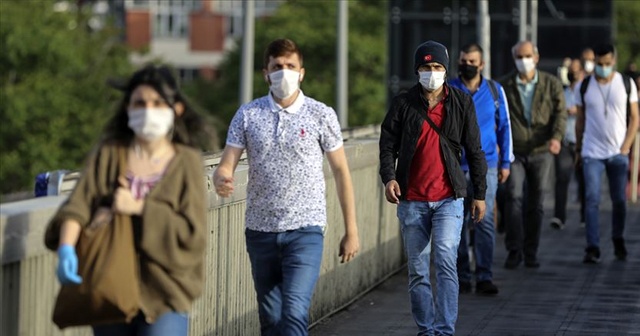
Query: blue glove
{"type": "Point", "coordinates": [68, 266]}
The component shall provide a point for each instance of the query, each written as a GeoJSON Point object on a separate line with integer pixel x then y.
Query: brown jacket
{"type": "Point", "coordinates": [170, 235]}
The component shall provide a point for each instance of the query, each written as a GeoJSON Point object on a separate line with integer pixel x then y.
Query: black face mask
{"type": "Point", "coordinates": [571, 77]}
{"type": "Point", "coordinates": [467, 71]}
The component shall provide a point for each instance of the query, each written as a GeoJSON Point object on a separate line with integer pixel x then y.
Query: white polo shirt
{"type": "Point", "coordinates": [606, 116]}
{"type": "Point", "coordinates": [285, 148]}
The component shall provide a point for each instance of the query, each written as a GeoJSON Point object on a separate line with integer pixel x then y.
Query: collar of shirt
{"type": "Point", "coordinates": [294, 108]}
{"type": "Point", "coordinates": [534, 81]}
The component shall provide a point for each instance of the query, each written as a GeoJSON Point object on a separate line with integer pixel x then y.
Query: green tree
{"type": "Point", "coordinates": [53, 94]}
{"type": "Point", "coordinates": [313, 26]}
{"type": "Point", "coordinates": [627, 29]}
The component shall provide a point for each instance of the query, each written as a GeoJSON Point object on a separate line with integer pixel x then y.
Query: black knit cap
{"type": "Point", "coordinates": [431, 51]}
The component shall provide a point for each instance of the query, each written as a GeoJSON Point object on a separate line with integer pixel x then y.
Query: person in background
{"type": "Point", "coordinates": [538, 122]}
{"type": "Point", "coordinates": [495, 129]}
{"type": "Point", "coordinates": [163, 192]}
{"type": "Point", "coordinates": [563, 71]}
{"type": "Point", "coordinates": [587, 58]}
{"type": "Point", "coordinates": [606, 125]}
{"type": "Point", "coordinates": [421, 142]}
{"type": "Point", "coordinates": [286, 135]}
{"type": "Point", "coordinates": [564, 162]}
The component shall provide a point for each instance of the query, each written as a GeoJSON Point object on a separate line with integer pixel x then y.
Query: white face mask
{"type": "Point", "coordinates": [525, 65]}
{"type": "Point", "coordinates": [431, 80]}
{"type": "Point", "coordinates": [151, 123]}
{"type": "Point", "coordinates": [589, 66]}
{"type": "Point", "coordinates": [284, 83]}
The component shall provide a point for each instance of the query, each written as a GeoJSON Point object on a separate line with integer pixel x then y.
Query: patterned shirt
{"type": "Point", "coordinates": [285, 148]}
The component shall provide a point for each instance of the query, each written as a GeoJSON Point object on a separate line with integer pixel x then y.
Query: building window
{"type": "Point", "coordinates": [171, 17]}
{"type": "Point", "coordinates": [188, 75]}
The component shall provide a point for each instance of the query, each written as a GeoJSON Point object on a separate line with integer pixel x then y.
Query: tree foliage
{"type": "Point", "coordinates": [627, 32]}
{"type": "Point", "coordinates": [54, 98]}
{"type": "Point", "coordinates": [313, 26]}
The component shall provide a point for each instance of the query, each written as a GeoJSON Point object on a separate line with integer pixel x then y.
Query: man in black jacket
{"type": "Point", "coordinates": [425, 129]}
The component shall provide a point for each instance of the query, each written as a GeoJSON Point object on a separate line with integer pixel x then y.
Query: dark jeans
{"type": "Point", "coordinates": [483, 234]}
{"type": "Point", "coordinates": [523, 213]}
{"type": "Point", "coordinates": [564, 164]}
{"type": "Point", "coordinates": [285, 267]}
{"type": "Point", "coordinates": [616, 169]}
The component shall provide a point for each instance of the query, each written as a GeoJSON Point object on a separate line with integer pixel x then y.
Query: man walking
{"type": "Point", "coordinates": [495, 129]}
{"type": "Point", "coordinates": [538, 120]}
{"type": "Point", "coordinates": [564, 162]}
{"type": "Point", "coordinates": [286, 134]}
{"type": "Point", "coordinates": [607, 123]}
{"type": "Point", "coordinates": [426, 129]}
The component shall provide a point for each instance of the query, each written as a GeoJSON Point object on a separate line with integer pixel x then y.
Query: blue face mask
{"type": "Point", "coordinates": [603, 71]}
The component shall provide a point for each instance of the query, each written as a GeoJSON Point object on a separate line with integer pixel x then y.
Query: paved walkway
{"type": "Point", "coordinates": [562, 297]}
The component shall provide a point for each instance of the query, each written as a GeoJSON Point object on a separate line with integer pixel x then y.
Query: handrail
{"type": "Point", "coordinates": [63, 181]}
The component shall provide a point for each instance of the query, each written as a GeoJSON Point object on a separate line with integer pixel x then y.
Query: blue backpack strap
{"type": "Point", "coordinates": [494, 93]}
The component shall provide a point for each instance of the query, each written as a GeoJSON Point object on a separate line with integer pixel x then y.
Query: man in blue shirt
{"type": "Point", "coordinates": [495, 129]}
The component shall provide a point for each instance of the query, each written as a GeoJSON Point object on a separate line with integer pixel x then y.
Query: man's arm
{"type": "Point", "coordinates": [389, 143]}
{"type": "Point", "coordinates": [223, 175]}
{"type": "Point", "coordinates": [560, 115]}
{"type": "Point", "coordinates": [505, 142]}
{"type": "Point", "coordinates": [350, 244]}
{"type": "Point", "coordinates": [476, 159]}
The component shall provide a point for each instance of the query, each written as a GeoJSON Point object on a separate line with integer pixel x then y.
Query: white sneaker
{"type": "Point", "coordinates": [557, 224]}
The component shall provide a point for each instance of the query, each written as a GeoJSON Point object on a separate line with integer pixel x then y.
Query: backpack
{"type": "Point", "coordinates": [627, 87]}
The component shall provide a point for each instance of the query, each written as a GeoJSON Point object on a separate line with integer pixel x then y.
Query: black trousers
{"type": "Point", "coordinates": [565, 167]}
{"type": "Point", "coordinates": [523, 213]}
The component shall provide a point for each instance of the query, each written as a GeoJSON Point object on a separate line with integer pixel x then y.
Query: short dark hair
{"type": "Point", "coordinates": [281, 47]}
{"type": "Point", "coordinates": [603, 49]}
{"type": "Point", "coordinates": [471, 47]}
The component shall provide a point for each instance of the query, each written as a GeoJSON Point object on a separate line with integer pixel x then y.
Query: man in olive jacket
{"type": "Point", "coordinates": [538, 121]}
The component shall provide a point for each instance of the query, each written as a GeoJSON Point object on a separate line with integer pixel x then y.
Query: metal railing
{"type": "Point", "coordinates": [227, 306]}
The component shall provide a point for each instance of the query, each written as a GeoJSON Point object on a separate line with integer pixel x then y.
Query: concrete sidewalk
{"type": "Point", "coordinates": [562, 297]}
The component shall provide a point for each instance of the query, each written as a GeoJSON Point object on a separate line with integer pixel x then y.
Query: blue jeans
{"type": "Point", "coordinates": [168, 324]}
{"type": "Point", "coordinates": [285, 267]}
{"type": "Point", "coordinates": [418, 222]}
{"type": "Point", "coordinates": [484, 233]}
{"type": "Point", "coordinates": [616, 168]}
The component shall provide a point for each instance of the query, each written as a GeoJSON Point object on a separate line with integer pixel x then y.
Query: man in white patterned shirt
{"type": "Point", "coordinates": [286, 135]}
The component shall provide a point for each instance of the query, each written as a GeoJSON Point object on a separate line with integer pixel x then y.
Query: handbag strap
{"type": "Point", "coordinates": [433, 125]}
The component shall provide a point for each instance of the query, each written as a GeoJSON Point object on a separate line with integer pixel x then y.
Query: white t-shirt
{"type": "Point", "coordinates": [606, 124]}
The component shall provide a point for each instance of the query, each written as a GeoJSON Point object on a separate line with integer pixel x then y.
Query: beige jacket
{"type": "Point", "coordinates": [170, 235]}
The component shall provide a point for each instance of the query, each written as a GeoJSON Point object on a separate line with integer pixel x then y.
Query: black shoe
{"type": "Point", "coordinates": [592, 255]}
{"type": "Point", "coordinates": [531, 263]}
{"type": "Point", "coordinates": [556, 223]}
{"type": "Point", "coordinates": [464, 287]}
{"type": "Point", "coordinates": [486, 288]}
{"type": "Point", "coordinates": [619, 250]}
{"type": "Point", "coordinates": [513, 260]}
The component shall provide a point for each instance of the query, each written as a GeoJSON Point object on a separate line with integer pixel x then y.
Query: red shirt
{"type": "Point", "coordinates": [428, 178]}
